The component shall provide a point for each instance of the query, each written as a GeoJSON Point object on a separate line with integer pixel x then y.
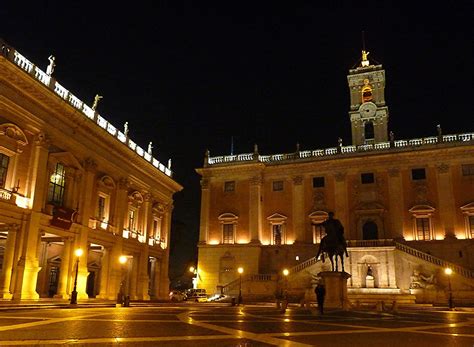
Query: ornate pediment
{"type": "Point", "coordinates": [106, 182]}
{"type": "Point", "coordinates": [228, 218]}
{"type": "Point", "coordinates": [277, 218]}
{"type": "Point", "coordinates": [468, 208]}
{"type": "Point", "coordinates": [65, 158]}
{"type": "Point", "coordinates": [15, 137]}
{"type": "Point", "coordinates": [318, 216]}
{"type": "Point", "coordinates": [422, 210]}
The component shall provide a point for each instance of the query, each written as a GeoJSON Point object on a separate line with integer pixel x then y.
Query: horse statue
{"type": "Point", "coordinates": [333, 245]}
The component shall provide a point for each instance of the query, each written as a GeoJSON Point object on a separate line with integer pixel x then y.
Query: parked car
{"type": "Point", "coordinates": [197, 295]}
{"type": "Point", "coordinates": [177, 296]}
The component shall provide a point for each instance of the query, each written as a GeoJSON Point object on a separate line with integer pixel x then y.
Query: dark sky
{"type": "Point", "coordinates": [190, 75]}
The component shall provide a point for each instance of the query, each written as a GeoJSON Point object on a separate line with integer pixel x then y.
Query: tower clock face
{"type": "Point", "coordinates": [367, 109]}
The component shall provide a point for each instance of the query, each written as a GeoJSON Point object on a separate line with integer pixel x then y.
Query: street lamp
{"type": "Point", "coordinates": [78, 252]}
{"type": "Point", "coordinates": [122, 260]}
{"type": "Point", "coordinates": [194, 271]}
{"type": "Point", "coordinates": [448, 271]}
{"type": "Point", "coordinates": [285, 272]}
{"type": "Point", "coordinates": [240, 270]}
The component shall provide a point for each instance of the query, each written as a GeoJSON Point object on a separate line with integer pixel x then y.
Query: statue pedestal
{"type": "Point", "coordinates": [369, 282]}
{"type": "Point", "coordinates": [336, 289]}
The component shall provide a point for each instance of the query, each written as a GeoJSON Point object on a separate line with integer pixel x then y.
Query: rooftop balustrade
{"type": "Point", "coordinates": [342, 150]}
{"type": "Point", "coordinates": [23, 63]}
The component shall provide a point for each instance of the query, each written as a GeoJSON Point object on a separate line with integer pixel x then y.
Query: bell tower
{"type": "Point", "coordinates": [368, 113]}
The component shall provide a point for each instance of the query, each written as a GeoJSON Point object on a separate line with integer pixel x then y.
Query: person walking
{"type": "Point", "coordinates": [320, 291]}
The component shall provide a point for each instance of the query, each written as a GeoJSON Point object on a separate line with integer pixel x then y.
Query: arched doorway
{"type": "Point", "coordinates": [370, 231]}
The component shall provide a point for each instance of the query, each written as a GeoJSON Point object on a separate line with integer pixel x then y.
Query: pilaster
{"type": "Point", "coordinates": [7, 267]}
{"type": "Point", "coordinates": [255, 209]}
{"type": "Point", "coordinates": [298, 209]}
{"type": "Point", "coordinates": [205, 203]}
{"type": "Point", "coordinates": [396, 203]}
{"type": "Point", "coordinates": [446, 200]}
{"type": "Point", "coordinates": [342, 204]}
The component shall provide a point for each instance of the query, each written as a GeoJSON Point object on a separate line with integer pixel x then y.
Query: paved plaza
{"type": "Point", "coordinates": [223, 325]}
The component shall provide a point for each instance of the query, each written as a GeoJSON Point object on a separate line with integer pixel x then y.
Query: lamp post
{"type": "Point", "coordinates": [120, 299]}
{"type": "Point", "coordinates": [194, 271]}
{"type": "Point", "coordinates": [448, 271]}
{"type": "Point", "coordinates": [78, 252]}
{"type": "Point", "coordinates": [240, 270]}
{"type": "Point", "coordinates": [286, 272]}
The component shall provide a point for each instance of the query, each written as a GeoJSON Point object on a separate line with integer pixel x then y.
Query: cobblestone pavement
{"type": "Point", "coordinates": [253, 325]}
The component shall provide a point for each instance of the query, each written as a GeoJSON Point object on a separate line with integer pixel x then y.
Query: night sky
{"type": "Point", "coordinates": [191, 75]}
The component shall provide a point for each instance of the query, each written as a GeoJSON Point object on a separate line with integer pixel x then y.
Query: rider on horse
{"type": "Point", "coordinates": [334, 234]}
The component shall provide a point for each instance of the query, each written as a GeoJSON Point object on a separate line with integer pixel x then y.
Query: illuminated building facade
{"type": "Point", "coordinates": [70, 180]}
{"type": "Point", "coordinates": [407, 207]}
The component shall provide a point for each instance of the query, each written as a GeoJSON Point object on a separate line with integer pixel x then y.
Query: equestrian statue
{"type": "Point", "coordinates": [333, 245]}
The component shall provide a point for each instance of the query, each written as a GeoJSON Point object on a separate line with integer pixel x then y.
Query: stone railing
{"type": "Point", "coordinates": [342, 150]}
{"type": "Point", "coordinates": [14, 56]}
{"type": "Point", "coordinates": [465, 272]}
{"type": "Point", "coordinates": [303, 265]}
{"type": "Point", "coordinates": [235, 284]}
{"type": "Point", "coordinates": [370, 243]}
{"type": "Point", "coordinates": [5, 194]}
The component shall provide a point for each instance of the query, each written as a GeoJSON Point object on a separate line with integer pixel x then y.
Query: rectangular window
{"type": "Point", "coordinates": [131, 219]}
{"type": "Point", "coordinates": [423, 228]}
{"type": "Point", "coordinates": [229, 186]}
{"type": "Point", "coordinates": [277, 234]}
{"type": "Point", "coordinates": [277, 186]}
{"type": "Point", "coordinates": [471, 226]}
{"type": "Point", "coordinates": [367, 178]}
{"type": "Point", "coordinates": [418, 174]}
{"type": "Point", "coordinates": [57, 183]}
{"type": "Point", "coordinates": [467, 169]}
{"type": "Point", "coordinates": [228, 233]}
{"type": "Point", "coordinates": [318, 233]}
{"type": "Point", "coordinates": [101, 208]}
{"type": "Point", "coordinates": [318, 182]}
{"type": "Point", "coordinates": [4, 159]}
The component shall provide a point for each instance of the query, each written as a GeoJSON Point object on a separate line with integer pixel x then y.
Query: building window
{"type": "Point", "coordinates": [418, 174]}
{"type": "Point", "coordinates": [277, 234]}
{"type": "Point", "coordinates": [4, 159]}
{"type": "Point", "coordinates": [470, 225]}
{"type": "Point", "coordinates": [367, 178]}
{"type": "Point", "coordinates": [318, 182]}
{"type": "Point", "coordinates": [423, 229]}
{"type": "Point", "coordinates": [467, 169]}
{"type": "Point", "coordinates": [229, 186]}
{"type": "Point", "coordinates": [369, 131]}
{"type": "Point", "coordinates": [132, 217]}
{"type": "Point", "coordinates": [277, 186]}
{"type": "Point", "coordinates": [318, 233]}
{"type": "Point", "coordinates": [156, 228]}
{"type": "Point", "coordinates": [228, 233]}
{"type": "Point", "coordinates": [101, 208]}
{"type": "Point", "coordinates": [57, 183]}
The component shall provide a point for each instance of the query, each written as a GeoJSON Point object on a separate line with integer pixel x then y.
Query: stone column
{"type": "Point", "coordinates": [396, 203]}
{"type": "Point", "coordinates": [64, 271]}
{"type": "Point", "coordinates": [116, 270]}
{"type": "Point", "coordinates": [342, 205]}
{"type": "Point", "coordinates": [446, 202]}
{"type": "Point", "coordinates": [156, 278]}
{"type": "Point", "coordinates": [7, 267]}
{"type": "Point", "coordinates": [27, 268]}
{"type": "Point", "coordinates": [255, 209]}
{"type": "Point", "coordinates": [134, 278]}
{"type": "Point", "coordinates": [143, 280]}
{"type": "Point", "coordinates": [86, 210]}
{"type": "Point", "coordinates": [298, 209]}
{"type": "Point", "coordinates": [205, 203]}
{"type": "Point", "coordinates": [104, 274]}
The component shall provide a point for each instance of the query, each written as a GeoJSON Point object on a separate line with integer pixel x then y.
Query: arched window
{"type": "Point", "coordinates": [370, 231]}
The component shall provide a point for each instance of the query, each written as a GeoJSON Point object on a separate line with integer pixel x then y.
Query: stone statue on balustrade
{"type": "Point", "coordinates": [96, 101]}
{"type": "Point", "coordinates": [333, 245]}
{"type": "Point", "coordinates": [52, 64]}
{"type": "Point", "coordinates": [125, 129]}
{"type": "Point", "coordinates": [150, 148]}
